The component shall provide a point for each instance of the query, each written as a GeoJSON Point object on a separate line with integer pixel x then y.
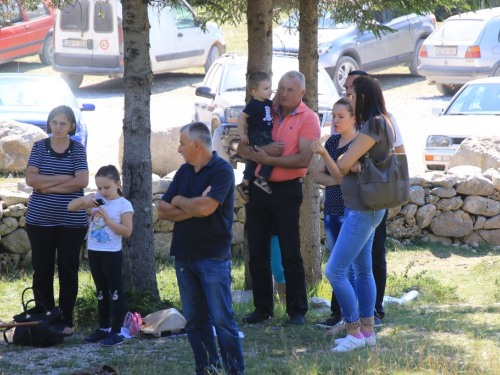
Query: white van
{"type": "Point", "coordinates": [88, 39]}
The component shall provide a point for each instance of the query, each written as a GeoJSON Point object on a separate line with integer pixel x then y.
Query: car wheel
{"type": "Point", "coordinates": [415, 60]}
{"type": "Point", "coordinates": [497, 72]}
{"type": "Point", "coordinates": [448, 89]}
{"type": "Point", "coordinates": [47, 52]}
{"type": "Point", "coordinates": [213, 55]}
{"type": "Point", "coordinates": [217, 144]}
{"type": "Point", "coordinates": [73, 80]}
{"type": "Point", "coordinates": [345, 65]}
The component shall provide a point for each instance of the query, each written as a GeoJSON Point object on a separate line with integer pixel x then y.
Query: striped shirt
{"type": "Point", "coordinates": [52, 209]}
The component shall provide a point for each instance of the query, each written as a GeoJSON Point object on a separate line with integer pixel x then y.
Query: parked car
{"type": "Point", "coordinates": [29, 98]}
{"type": "Point", "coordinates": [473, 111]}
{"type": "Point", "coordinates": [25, 32]}
{"type": "Point", "coordinates": [88, 39]}
{"type": "Point", "coordinates": [346, 47]}
{"type": "Point", "coordinates": [221, 98]}
{"type": "Point", "coordinates": [464, 47]}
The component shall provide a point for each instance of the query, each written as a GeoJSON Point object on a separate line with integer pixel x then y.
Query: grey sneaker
{"type": "Point", "coordinates": [112, 339]}
{"type": "Point", "coordinates": [329, 323]}
{"type": "Point", "coordinates": [97, 336]}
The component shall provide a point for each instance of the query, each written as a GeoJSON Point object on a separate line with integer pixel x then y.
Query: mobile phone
{"type": "Point", "coordinates": [100, 201]}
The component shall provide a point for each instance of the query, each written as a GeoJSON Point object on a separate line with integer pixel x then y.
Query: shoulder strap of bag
{"type": "Point", "coordinates": [389, 141]}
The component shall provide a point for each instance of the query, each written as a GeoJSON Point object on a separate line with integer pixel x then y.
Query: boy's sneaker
{"type": "Point", "coordinates": [377, 322]}
{"type": "Point", "coordinates": [329, 323]}
{"type": "Point", "coordinates": [112, 339]}
{"type": "Point", "coordinates": [97, 336]}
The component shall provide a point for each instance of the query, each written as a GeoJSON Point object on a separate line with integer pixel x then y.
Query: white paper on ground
{"type": "Point", "coordinates": [404, 298]}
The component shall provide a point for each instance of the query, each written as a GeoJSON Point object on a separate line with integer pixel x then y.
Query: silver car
{"type": "Point", "coordinates": [464, 47]}
{"type": "Point", "coordinates": [343, 48]}
{"type": "Point", "coordinates": [473, 111]}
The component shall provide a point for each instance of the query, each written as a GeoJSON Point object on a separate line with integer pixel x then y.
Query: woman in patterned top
{"type": "Point", "coordinates": [327, 174]}
{"type": "Point", "coordinates": [58, 172]}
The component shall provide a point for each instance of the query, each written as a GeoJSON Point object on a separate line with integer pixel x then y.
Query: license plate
{"type": "Point", "coordinates": [445, 51]}
{"type": "Point", "coordinates": [75, 43]}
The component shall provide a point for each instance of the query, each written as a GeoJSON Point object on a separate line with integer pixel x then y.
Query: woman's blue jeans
{"type": "Point", "coordinates": [205, 289]}
{"type": "Point", "coordinates": [354, 247]}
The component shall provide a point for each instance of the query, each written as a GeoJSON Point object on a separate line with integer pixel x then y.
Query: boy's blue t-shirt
{"type": "Point", "coordinates": [259, 115]}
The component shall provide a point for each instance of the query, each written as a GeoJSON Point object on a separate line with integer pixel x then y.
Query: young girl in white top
{"type": "Point", "coordinates": [111, 219]}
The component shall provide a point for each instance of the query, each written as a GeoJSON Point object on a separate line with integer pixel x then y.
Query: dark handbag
{"type": "Point", "coordinates": [99, 370]}
{"type": "Point", "coordinates": [44, 330]}
{"type": "Point", "coordinates": [386, 183]}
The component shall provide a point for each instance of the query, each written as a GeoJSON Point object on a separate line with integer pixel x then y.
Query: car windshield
{"type": "Point", "coordinates": [477, 99]}
{"type": "Point", "coordinates": [234, 79]}
{"type": "Point", "coordinates": [452, 31]}
{"type": "Point", "coordinates": [35, 93]}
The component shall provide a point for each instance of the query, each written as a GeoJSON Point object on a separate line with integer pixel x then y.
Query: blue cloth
{"type": "Point", "coordinates": [258, 138]}
{"type": "Point", "coordinates": [204, 237]}
{"type": "Point", "coordinates": [276, 266]}
{"type": "Point", "coordinates": [259, 115]}
{"type": "Point", "coordinates": [354, 246]}
{"type": "Point", "coordinates": [205, 289]}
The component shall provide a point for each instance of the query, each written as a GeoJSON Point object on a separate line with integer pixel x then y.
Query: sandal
{"type": "Point", "coordinates": [262, 184]}
{"type": "Point", "coordinates": [243, 192]}
{"type": "Point", "coordinates": [67, 331]}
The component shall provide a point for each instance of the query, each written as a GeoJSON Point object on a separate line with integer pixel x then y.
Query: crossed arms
{"type": "Point", "coordinates": [182, 208]}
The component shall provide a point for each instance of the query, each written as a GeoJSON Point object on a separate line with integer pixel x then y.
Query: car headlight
{"type": "Point", "coordinates": [328, 120]}
{"type": "Point", "coordinates": [232, 114]}
{"type": "Point", "coordinates": [439, 141]}
{"type": "Point", "coordinates": [324, 48]}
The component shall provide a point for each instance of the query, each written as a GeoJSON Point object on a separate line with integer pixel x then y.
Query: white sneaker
{"type": "Point", "coordinates": [349, 343]}
{"type": "Point", "coordinates": [371, 340]}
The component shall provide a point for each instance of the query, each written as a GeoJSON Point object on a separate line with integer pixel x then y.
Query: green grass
{"type": "Point", "coordinates": [451, 328]}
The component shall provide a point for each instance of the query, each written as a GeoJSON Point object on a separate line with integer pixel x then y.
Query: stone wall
{"type": "Point", "coordinates": [458, 208]}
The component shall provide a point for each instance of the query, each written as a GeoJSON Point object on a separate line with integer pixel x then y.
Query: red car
{"type": "Point", "coordinates": [25, 32]}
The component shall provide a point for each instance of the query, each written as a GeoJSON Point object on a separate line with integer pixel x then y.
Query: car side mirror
{"type": "Point", "coordinates": [87, 107]}
{"type": "Point", "coordinates": [205, 92]}
{"type": "Point", "coordinates": [437, 111]}
{"type": "Point", "coordinates": [197, 22]}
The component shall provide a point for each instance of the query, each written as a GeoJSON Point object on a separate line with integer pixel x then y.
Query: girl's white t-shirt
{"type": "Point", "coordinates": [101, 237]}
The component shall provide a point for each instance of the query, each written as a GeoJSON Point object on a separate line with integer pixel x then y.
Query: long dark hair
{"type": "Point", "coordinates": [370, 104]}
{"type": "Point", "coordinates": [111, 172]}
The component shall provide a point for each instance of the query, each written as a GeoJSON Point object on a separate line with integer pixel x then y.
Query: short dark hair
{"type": "Point", "coordinates": [110, 172]}
{"type": "Point", "coordinates": [361, 73]}
{"type": "Point", "coordinates": [255, 78]}
{"type": "Point", "coordinates": [66, 111]}
{"type": "Point", "coordinates": [198, 131]}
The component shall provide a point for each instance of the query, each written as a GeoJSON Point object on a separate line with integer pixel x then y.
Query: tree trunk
{"type": "Point", "coordinates": [309, 211]}
{"type": "Point", "coordinates": [139, 262]}
{"type": "Point", "coordinates": [260, 53]}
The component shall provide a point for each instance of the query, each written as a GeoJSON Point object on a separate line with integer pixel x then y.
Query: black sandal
{"type": "Point", "coordinates": [243, 192]}
{"type": "Point", "coordinates": [262, 184]}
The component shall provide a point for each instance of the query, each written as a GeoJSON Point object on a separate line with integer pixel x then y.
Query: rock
{"type": "Point", "coordinates": [26, 262]}
{"type": "Point", "coordinates": [238, 233]}
{"type": "Point", "coordinates": [417, 195]}
{"type": "Point", "coordinates": [21, 186]}
{"type": "Point", "coordinates": [473, 239]}
{"type": "Point", "coordinates": [397, 228]}
{"type": "Point", "coordinates": [238, 249]}
{"type": "Point", "coordinates": [163, 226]}
{"type": "Point", "coordinates": [456, 241]}
{"type": "Point", "coordinates": [241, 217]}
{"type": "Point", "coordinates": [480, 220]}
{"type": "Point", "coordinates": [490, 173]}
{"type": "Point", "coordinates": [492, 236]}
{"type": "Point", "coordinates": [424, 215]}
{"type": "Point", "coordinates": [170, 176]}
{"type": "Point", "coordinates": [476, 185]}
{"type": "Point", "coordinates": [414, 181]}
{"type": "Point", "coordinates": [9, 261]}
{"type": "Point", "coordinates": [432, 199]}
{"type": "Point", "coordinates": [16, 141]}
{"type": "Point", "coordinates": [496, 182]}
{"type": "Point", "coordinates": [241, 297]}
{"type": "Point", "coordinates": [425, 179]}
{"type": "Point", "coordinates": [464, 171]}
{"type": "Point", "coordinates": [408, 211]}
{"type": "Point", "coordinates": [17, 210]}
{"type": "Point", "coordinates": [391, 212]}
{"type": "Point", "coordinates": [162, 243]}
{"type": "Point", "coordinates": [17, 242]}
{"type": "Point", "coordinates": [452, 224]}
{"type": "Point", "coordinates": [442, 192]}
{"type": "Point", "coordinates": [155, 177]}
{"type": "Point", "coordinates": [164, 155]}
{"type": "Point", "coordinates": [482, 152]}
{"type": "Point", "coordinates": [493, 223]}
{"type": "Point", "coordinates": [447, 181]}
{"type": "Point", "coordinates": [12, 198]}
{"type": "Point", "coordinates": [449, 204]}
{"type": "Point", "coordinates": [1, 209]}
{"type": "Point", "coordinates": [160, 186]}
{"type": "Point", "coordinates": [22, 221]}
{"type": "Point", "coordinates": [481, 206]}
{"type": "Point", "coordinates": [437, 239]}
{"type": "Point", "coordinates": [8, 225]}
{"type": "Point", "coordinates": [154, 211]}
{"type": "Point", "coordinates": [427, 192]}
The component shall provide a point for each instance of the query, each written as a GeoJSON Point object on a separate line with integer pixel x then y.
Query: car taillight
{"type": "Point", "coordinates": [473, 52]}
{"type": "Point", "coordinates": [120, 35]}
{"type": "Point", "coordinates": [423, 52]}
{"type": "Point", "coordinates": [433, 17]}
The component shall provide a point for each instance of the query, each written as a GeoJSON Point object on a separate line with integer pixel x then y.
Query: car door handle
{"type": "Point", "coordinates": [179, 35]}
{"type": "Point", "coordinates": [26, 27]}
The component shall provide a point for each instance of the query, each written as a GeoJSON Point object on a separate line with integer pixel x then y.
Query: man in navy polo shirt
{"type": "Point", "coordinates": [200, 200]}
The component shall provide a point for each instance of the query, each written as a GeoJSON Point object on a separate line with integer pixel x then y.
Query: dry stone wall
{"type": "Point", "coordinates": [461, 207]}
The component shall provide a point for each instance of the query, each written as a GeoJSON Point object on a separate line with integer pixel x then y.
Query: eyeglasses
{"type": "Point", "coordinates": [54, 123]}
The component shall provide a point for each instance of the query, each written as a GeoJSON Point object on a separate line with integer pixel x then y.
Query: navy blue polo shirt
{"type": "Point", "coordinates": [204, 237]}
